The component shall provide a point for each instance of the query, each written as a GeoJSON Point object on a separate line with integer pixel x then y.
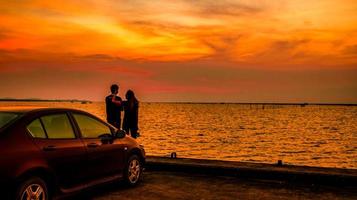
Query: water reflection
{"type": "Point", "coordinates": [311, 135]}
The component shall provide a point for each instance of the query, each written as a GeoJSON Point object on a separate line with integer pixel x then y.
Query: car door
{"type": "Point", "coordinates": [105, 157]}
{"type": "Point", "coordinates": [64, 152]}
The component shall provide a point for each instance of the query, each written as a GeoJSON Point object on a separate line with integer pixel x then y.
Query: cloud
{"type": "Point", "coordinates": [4, 34]}
{"type": "Point", "coordinates": [184, 30]}
{"type": "Point", "coordinates": [281, 51]}
{"type": "Point", "coordinates": [225, 8]}
{"type": "Point", "coordinates": [28, 60]}
{"type": "Point", "coordinates": [195, 80]}
{"type": "Point", "coordinates": [350, 50]}
{"type": "Point", "coordinates": [184, 49]}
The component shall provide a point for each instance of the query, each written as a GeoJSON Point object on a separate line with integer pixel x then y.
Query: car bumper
{"type": "Point", "coordinates": [143, 153]}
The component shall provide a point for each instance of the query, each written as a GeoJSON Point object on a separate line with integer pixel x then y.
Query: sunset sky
{"type": "Point", "coordinates": [182, 50]}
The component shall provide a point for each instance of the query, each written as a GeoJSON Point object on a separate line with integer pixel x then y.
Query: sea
{"type": "Point", "coordinates": [308, 135]}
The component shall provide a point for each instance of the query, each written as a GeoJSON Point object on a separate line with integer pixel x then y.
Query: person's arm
{"type": "Point", "coordinates": [116, 102]}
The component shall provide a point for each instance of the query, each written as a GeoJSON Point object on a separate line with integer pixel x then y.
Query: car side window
{"type": "Point", "coordinates": [36, 130]}
{"type": "Point", "coordinates": [90, 127]}
{"type": "Point", "coordinates": [58, 126]}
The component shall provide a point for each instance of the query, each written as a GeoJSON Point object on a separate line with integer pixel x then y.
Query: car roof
{"type": "Point", "coordinates": [26, 109]}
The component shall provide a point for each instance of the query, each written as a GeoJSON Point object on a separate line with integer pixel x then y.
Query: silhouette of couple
{"type": "Point", "coordinates": [115, 105]}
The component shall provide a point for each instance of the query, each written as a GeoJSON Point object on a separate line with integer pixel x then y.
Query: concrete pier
{"type": "Point", "coordinates": [298, 174]}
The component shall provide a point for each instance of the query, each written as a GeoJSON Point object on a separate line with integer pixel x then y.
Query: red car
{"type": "Point", "coordinates": [46, 152]}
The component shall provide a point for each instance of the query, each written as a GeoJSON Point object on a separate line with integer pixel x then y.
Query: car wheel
{"type": "Point", "coordinates": [33, 188]}
{"type": "Point", "coordinates": [133, 170]}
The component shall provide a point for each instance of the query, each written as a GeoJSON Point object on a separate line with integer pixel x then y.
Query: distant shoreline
{"type": "Point", "coordinates": [263, 103]}
{"type": "Point", "coordinates": [239, 103]}
{"type": "Point", "coordinates": [47, 100]}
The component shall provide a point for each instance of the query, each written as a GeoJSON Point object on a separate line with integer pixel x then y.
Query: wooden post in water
{"type": "Point", "coordinates": [280, 163]}
{"type": "Point", "coordinates": [173, 155]}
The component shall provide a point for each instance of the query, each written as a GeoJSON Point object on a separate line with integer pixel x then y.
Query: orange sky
{"type": "Point", "coordinates": [205, 50]}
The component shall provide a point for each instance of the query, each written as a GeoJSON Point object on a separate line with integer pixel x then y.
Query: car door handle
{"type": "Point", "coordinates": [92, 145]}
{"type": "Point", "coordinates": [49, 148]}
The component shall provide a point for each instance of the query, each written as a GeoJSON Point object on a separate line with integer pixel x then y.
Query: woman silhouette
{"type": "Point", "coordinates": [131, 111]}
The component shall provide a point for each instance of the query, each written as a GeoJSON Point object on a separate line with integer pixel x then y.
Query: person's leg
{"type": "Point", "coordinates": [119, 123]}
{"type": "Point", "coordinates": [133, 132]}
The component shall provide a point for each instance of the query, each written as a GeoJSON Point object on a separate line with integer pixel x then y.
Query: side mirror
{"type": "Point", "coordinates": [106, 138]}
{"type": "Point", "coordinates": [120, 134]}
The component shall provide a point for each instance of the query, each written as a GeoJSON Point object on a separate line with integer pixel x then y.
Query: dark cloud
{"type": "Point", "coordinates": [221, 45]}
{"type": "Point", "coordinates": [350, 50]}
{"type": "Point", "coordinates": [101, 57]}
{"type": "Point", "coordinates": [288, 44]}
{"type": "Point", "coordinates": [3, 35]}
{"type": "Point", "coordinates": [201, 8]}
{"type": "Point", "coordinates": [6, 33]}
{"type": "Point", "coordinates": [282, 51]}
{"type": "Point", "coordinates": [224, 8]}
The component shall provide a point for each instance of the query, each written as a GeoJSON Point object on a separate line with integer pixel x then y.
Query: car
{"type": "Point", "coordinates": [49, 152]}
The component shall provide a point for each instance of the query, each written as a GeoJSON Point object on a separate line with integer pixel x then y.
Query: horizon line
{"type": "Point", "coordinates": [180, 102]}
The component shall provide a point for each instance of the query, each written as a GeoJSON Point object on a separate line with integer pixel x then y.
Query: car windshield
{"type": "Point", "coordinates": [6, 117]}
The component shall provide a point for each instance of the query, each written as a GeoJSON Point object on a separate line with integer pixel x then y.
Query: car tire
{"type": "Point", "coordinates": [34, 186]}
{"type": "Point", "coordinates": [133, 170]}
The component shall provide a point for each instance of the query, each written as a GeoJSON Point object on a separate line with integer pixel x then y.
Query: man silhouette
{"type": "Point", "coordinates": [114, 106]}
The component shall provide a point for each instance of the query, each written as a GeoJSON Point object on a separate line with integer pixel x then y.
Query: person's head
{"type": "Point", "coordinates": [114, 89]}
{"type": "Point", "coordinates": [129, 95]}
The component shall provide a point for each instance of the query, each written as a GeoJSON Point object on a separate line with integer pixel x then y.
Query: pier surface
{"type": "Point", "coordinates": [297, 174]}
{"type": "Point", "coordinates": [167, 178]}
{"type": "Point", "coordinates": [182, 186]}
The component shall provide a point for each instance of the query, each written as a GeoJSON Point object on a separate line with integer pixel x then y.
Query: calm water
{"type": "Point", "coordinates": [312, 135]}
